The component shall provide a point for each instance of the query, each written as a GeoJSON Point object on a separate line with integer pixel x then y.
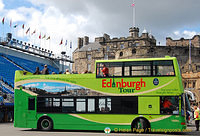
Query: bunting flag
{"type": "Point", "coordinates": [40, 36]}
{"type": "Point", "coordinates": [48, 38]}
{"type": "Point", "coordinates": [33, 32]}
{"type": "Point", "coordinates": [3, 20]}
{"type": "Point", "coordinates": [10, 23]}
{"type": "Point", "coordinates": [66, 43]}
{"type": "Point", "coordinates": [70, 45]}
{"type": "Point", "coordinates": [28, 30]}
{"type": "Point", "coordinates": [61, 42]}
{"type": "Point", "coordinates": [15, 26]}
{"type": "Point", "coordinates": [23, 26]}
{"type": "Point", "coordinates": [133, 5]}
{"type": "Point", "coordinates": [44, 36]}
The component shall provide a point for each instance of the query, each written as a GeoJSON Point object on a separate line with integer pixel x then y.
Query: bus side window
{"type": "Point", "coordinates": [105, 104]}
{"type": "Point", "coordinates": [169, 105]}
{"type": "Point", "coordinates": [31, 103]}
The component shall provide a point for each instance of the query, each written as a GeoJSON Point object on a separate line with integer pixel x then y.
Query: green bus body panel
{"type": "Point", "coordinates": [150, 105]}
{"type": "Point", "coordinates": [148, 101]}
{"type": "Point", "coordinates": [23, 116]}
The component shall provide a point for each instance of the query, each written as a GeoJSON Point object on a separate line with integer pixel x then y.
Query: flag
{"type": "Point", "coordinates": [48, 38]}
{"type": "Point", "coordinates": [23, 26]}
{"type": "Point", "coordinates": [133, 5]}
{"type": "Point", "coordinates": [40, 36]}
{"type": "Point", "coordinates": [28, 30]}
{"type": "Point", "coordinates": [61, 42]}
{"type": "Point", "coordinates": [10, 23]}
{"type": "Point", "coordinates": [66, 43]}
{"type": "Point", "coordinates": [44, 36]}
{"type": "Point", "coordinates": [34, 32]}
{"type": "Point", "coordinates": [70, 45]}
{"type": "Point", "coordinates": [15, 25]}
{"type": "Point", "coordinates": [3, 20]}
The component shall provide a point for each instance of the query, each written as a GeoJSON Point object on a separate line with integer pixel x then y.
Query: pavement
{"type": "Point", "coordinates": [7, 129]}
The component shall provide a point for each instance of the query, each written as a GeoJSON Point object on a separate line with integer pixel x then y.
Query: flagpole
{"type": "Point", "coordinates": [3, 21]}
{"type": "Point", "coordinates": [134, 14]}
{"type": "Point", "coordinates": [49, 44]}
{"type": "Point", "coordinates": [190, 55]}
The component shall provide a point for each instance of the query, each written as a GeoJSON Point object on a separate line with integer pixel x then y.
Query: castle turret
{"type": "Point", "coordinates": [134, 32]}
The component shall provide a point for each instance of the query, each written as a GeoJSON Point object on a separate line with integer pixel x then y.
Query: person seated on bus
{"type": "Point", "coordinates": [45, 71]}
{"type": "Point", "coordinates": [167, 105]}
{"type": "Point", "coordinates": [67, 72]}
{"type": "Point", "coordinates": [37, 71]}
{"type": "Point", "coordinates": [105, 71]}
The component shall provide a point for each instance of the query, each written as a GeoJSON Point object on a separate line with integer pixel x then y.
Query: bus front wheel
{"type": "Point", "coordinates": [140, 125]}
{"type": "Point", "coordinates": [45, 124]}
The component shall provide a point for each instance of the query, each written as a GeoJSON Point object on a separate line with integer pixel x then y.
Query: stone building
{"type": "Point", "coordinates": [195, 42]}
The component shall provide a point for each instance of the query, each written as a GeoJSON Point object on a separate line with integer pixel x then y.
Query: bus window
{"type": "Point", "coordinates": [113, 68]}
{"type": "Point", "coordinates": [105, 104]}
{"type": "Point", "coordinates": [126, 71]}
{"type": "Point", "coordinates": [163, 68]}
{"type": "Point", "coordinates": [91, 105]}
{"type": "Point", "coordinates": [56, 102]}
{"type": "Point", "coordinates": [141, 71]}
{"type": "Point", "coordinates": [31, 103]}
{"type": "Point", "coordinates": [138, 68]}
{"type": "Point", "coordinates": [169, 105]}
{"type": "Point", "coordinates": [81, 105]}
{"type": "Point", "coordinates": [68, 105]}
{"type": "Point", "coordinates": [48, 102]}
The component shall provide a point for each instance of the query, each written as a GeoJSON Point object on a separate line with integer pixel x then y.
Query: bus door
{"type": "Point", "coordinates": [148, 105]}
{"type": "Point", "coordinates": [31, 113]}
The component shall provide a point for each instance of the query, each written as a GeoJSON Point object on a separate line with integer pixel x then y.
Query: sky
{"type": "Point", "coordinates": [70, 19]}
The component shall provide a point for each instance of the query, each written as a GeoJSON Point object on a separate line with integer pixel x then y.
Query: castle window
{"type": "Point", "coordinates": [106, 57]}
{"type": "Point", "coordinates": [129, 44]}
{"type": "Point", "coordinates": [121, 53]}
{"type": "Point", "coordinates": [133, 51]}
{"type": "Point", "coordinates": [89, 57]}
{"type": "Point", "coordinates": [136, 44]}
{"type": "Point", "coordinates": [122, 46]}
{"type": "Point", "coordinates": [194, 83]}
{"type": "Point", "coordinates": [107, 48]}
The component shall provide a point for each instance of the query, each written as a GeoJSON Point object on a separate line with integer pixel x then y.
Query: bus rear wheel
{"type": "Point", "coordinates": [140, 125]}
{"type": "Point", "coordinates": [45, 124]}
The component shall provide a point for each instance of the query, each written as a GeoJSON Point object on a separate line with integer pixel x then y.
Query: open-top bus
{"type": "Point", "coordinates": [138, 95]}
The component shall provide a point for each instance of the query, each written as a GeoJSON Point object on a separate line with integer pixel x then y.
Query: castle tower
{"type": "Point", "coordinates": [134, 32]}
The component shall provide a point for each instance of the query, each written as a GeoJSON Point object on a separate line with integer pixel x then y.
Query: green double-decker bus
{"type": "Point", "coordinates": [133, 95]}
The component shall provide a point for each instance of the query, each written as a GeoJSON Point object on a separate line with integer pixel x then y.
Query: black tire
{"type": "Point", "coordinates": [140, 125]}
{"type": "Point", "coordinates": [45, 124]}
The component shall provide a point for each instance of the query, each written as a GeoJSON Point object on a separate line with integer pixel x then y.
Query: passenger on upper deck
{"type": "Point", "coordinates": [105, 71]}
{"type": "Point", "coordinates": [67, 71]}
{"type": "Point", "coordinates": [37, 71]}
{"type": "Point", "coordinates": [45, 71]}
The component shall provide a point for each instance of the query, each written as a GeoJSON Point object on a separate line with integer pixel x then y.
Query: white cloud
{"type": "Point", "coordinates": [185, 34]}
{"type": "Point", "coordinates": [1, 5]}
{"type": "Point", "coordinates": [189, 34]}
